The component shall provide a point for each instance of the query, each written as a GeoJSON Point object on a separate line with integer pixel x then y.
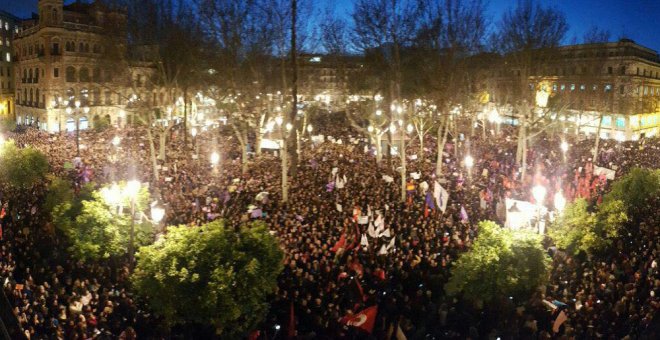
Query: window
{"type": "Point", "coordinates": [622, 89]}
{"type": "Point", "coordinates": [609, 70]}
{"type": "Point", "coordinates": [70, 74]}
{"type": "Point", "coordinates": [56, 49]}
{"type": "Point", "coordinates": [623, 70]}
{"type": "Point", "coordinates": [607, 120]}
{"type": "Point", "coordinates": [594, 87]}
{"type": "Point", "coordinates": [572, 87]}
{"type": "Point", "coordinates": [608, 87]}
{"type": "Point", "coordinates": [563, 87]}
{"type": "Point", "coordinates": [554, 87]}
{"type": "Point", "coordinates": [56, 72]}
{"type": "Point", "coordinates": [81, 47]}
{"type": "Point", "coordinates": [620, 122]}
{"type": "Point", "coordinates": [582, 87]}
{"type": "Point", "coordinates": [84, 74]}
{"type": "Point", "coordinates": [96, 75]}
{"type": "Point", "coordinates": [8, 57]}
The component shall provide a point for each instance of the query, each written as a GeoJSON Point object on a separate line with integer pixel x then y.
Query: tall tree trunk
{"type": "Point", "coordinates": [597, 142]}
{"type": "Point", "coordinates": [152, 151]}
{"type": "Point", "coordinates": [285, 168]}
{"type": "Point", "coordinates": [379, 149]}
{"type": "Point", "coordinates": [294, 91]}
{"type": "Point", "coordinates": [441, 146]}
{"type": "Point", "coordinates": [162, 141]}
{"type": "Point", "coordinates": [402, 156]}
{"type": "Point", "coordinates": [185, 117]}
{"type": "Point", "coordinates": [422, 153]}
{"type": "Point", "coordinates": [244, 153]}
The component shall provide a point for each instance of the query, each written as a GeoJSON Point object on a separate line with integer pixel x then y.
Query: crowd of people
{"type": "Point", "coordinates": [349, 240]}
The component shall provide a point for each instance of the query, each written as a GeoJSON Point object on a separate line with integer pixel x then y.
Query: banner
{"type": "Point", "coordinates": [441, 196]}
{"type": "Point", "coordinates": [609, 173]}
{"type": "Point", "coordinates": [364, 319]}
{"type": "Point", "coordinates": [388, 179]}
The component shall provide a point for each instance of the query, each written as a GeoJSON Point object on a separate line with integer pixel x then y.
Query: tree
{"type": "Point", "coordinates": [529, 35]}
{"type": "Point", "coordinates": [97, 229]}
{"type": "Point", "coordinates": [577, 230]}
{"type": "Point", "coordinates": [635, 188]}
{"type": "Point", "coordinates": [22, 167]}
{"type": "Point", "coordinates": [211, 275]}
{"type": "Point", "coordinates": [501, 264]}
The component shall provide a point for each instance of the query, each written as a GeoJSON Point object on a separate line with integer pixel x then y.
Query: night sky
{"type": "Point", "coordinates": [635, 19]}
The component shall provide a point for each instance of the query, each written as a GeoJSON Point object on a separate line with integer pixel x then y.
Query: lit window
{"type": "Point", "coordinates": [554, 87]}
{"type": "Point", "coordinates": [315, 59]}
{"type": "Point", "coordinates": [594, 87]}
{"type": "Point", "coordinates": [607, 120]}
{"type": "Point", "coordinates": [608, 87]}
{"type": "Point", "coordinates": [572, 87]}
{"type": "Point", "coordinates": [8, 57]}
{"type": "Point", "coordinates": [620, 122]}
{"type": "Point", "coordinates": [563, 87]}
{"type": "Point", "coordinates": [582, 87]}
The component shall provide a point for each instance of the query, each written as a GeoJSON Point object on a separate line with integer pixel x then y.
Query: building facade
{"type": "Point", "coordinates": [8, 28]}
{"type": "Point", "coordinates": [326, 79]}
{"type": "Point", "coordinates": [62, 81]}
{"type": "Point", "coordinates": [613, 87]}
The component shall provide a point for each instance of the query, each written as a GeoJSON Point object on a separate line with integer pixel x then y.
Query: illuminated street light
{"type": "Point", "coordinates": [370, 128]}
{"type": "Point", "coordinates": [393, 128]}
{"type": "Point", "coordinates": [409, 128]}
{"type": "Point", "coordinates": [131, 190]}
{"type": "Point", "coordinates": [289, 126]}
{"type": "Point", "coordinates": [564, 146]}
{"type": "Point", "coordinates": [560, 201]}
{"type": "Point", "coordinates": [157, 214]}
{"type": "Point", "coordinates": [469, 161]}
{"type": "Point", "coordinates": [193, 132]}
{"type": "Point", "coordinates": [379, 112]}
{"type": "Point", "coordinates": [116, 140]}
{"type": "Point", "coordinates": [279, 120]}
{"type": "Point", "coordinates": [539, 192]}
{"type": "Point", "coordinates": [215, 158]}
{"type": "Point", "coordinates": [310, 128]}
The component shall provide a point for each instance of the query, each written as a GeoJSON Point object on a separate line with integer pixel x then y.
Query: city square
{"type": "Point", "coordinates": [349, 169]}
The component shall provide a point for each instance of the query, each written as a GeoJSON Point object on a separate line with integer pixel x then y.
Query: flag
{"type": "Point", "coordinates": [371, 231]}
{"type": "Point", "coordinates": [379, 222]}
{"type": "Point", "coordinates": [561, 317]}
{"type": "Point", "coordinates": [429, 201]}
{"type": "Point", "coordinates": [338, 207]}
{"type": "Point", "coordinates": [340, 244]}
{"type": "Point", "coordinates": [292, 323]}
{"type": "Point", "coordinates": [256, 213]}
{"type": "Point", "coordinates": [364, 242]}
{"type": "Point", "coordinates": [441, 196]}
{"type": "Point", "coordinates": [383, 250]}
{"type": "Point", "coordinates": [464, 215]}
{"type": "Point", "coordinates": [390, 246]}
{"type": "Point", "coordinates": [364, 320]}
{"type": "Point", "coordinates": [399, 333]}
{"type": "Point", "coordinates": [385, 233]}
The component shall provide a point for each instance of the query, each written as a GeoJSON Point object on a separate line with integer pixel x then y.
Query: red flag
{"type": "Point", "coordinates": [364, 319]}
{"type": "Point", "coordinates": [340, 244]}
{"type": "Point", "coordinates": [426, 210]}
{"type": "Point", "coordinates": [292, 323]}
{"type": "Point", "coordinates": [360, 290]}
{"type": "Point", "coordinates": [561, 317]}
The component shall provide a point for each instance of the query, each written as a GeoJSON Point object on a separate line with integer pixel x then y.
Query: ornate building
{"type": "Point", "coordinates": [63, 76]}
{"type": "Point", "coordinates": [8, 27]}
{"type": "Point", "coordinates": [615, 85]}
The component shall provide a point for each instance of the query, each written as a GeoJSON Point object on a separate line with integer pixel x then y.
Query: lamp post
{"type": "Point", "coordinates": [539, 192]}
{"type": "Point", "coordinates": [75, 111]}
{"type": "Point", "coordinates": [564, 148]}
{"type": "Point", "coordinates": [130, 191]}
{"type": "Point", "coordinates": [469, 163]}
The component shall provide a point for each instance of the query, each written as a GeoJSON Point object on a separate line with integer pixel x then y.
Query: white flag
{"type": "Point", "coordinates": [385, 233]}
{"type": "Point", "coordinates": [338, 206]}
{"type": "Point", "coordinates": [390, 246]}
{"type": "Point", "coordinates": [363, 219]}
{"type": "Point", "coordinates": [388, 179]}
{"type": "Point", "coordinates": [441, 196]}
{"type": "Point", "coordinates": [371, 231]}
{"type": "Point", "coordinates": [364, 242]}
{"type": "Point", "coordinates": [379, 222]}
{"type": "Point", "coordinates": [383, 250]}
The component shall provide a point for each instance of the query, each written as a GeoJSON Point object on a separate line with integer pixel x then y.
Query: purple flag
{"type": "Point", "coordinates": [464, 215]}
{"type": "Point", "coordinates": [429, 200]}
{"type": "Point", "coordinates": [256, 213]}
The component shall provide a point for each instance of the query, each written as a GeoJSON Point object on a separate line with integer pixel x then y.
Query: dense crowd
{"type": "Point", "coordinates": [329, 270]}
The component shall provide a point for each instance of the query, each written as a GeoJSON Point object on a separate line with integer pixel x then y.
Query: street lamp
{"type": "Point", "coordinates": [469, 162]}
{"type": "Point", "coordinates": [310, 128]}
{"type": "Point", "coordinates": [539, 192]}
{"type": "Point", "coordinates": [560, 201]}
{"type": "Point", "coordinates": [564, 146]}
{"type": "Point", "coordinates": [116, 140]}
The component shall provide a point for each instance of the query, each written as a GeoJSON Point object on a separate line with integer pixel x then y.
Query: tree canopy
{"type": "Point", "coordinates": [500, 264]}
{"type": "Point", "coordinates": [97, 229]}
{"type": "Point", "coordinates": [21, 167]}
{"type": "Point", "coordinates": [210, 275]}
{"type": "Point", "coordinates": [635, 187]}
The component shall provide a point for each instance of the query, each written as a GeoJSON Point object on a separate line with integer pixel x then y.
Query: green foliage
{"type": "Point", "coordinates": [578, 230]}
{"type": "Point", "coordinates": [59, 191]}
{"type": "Point", "coordinates": [501, 264]}
{"type": "Point", "coordinates": [22, 167]}
{"type": "Point", "coordinates": [635, 187]}
{"type": "Point", "coordinates": [101, 123]}
{"type": "Point", "coordinates": [96, 229]}
{"type": "Point", "coordinates": [210, 275]}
